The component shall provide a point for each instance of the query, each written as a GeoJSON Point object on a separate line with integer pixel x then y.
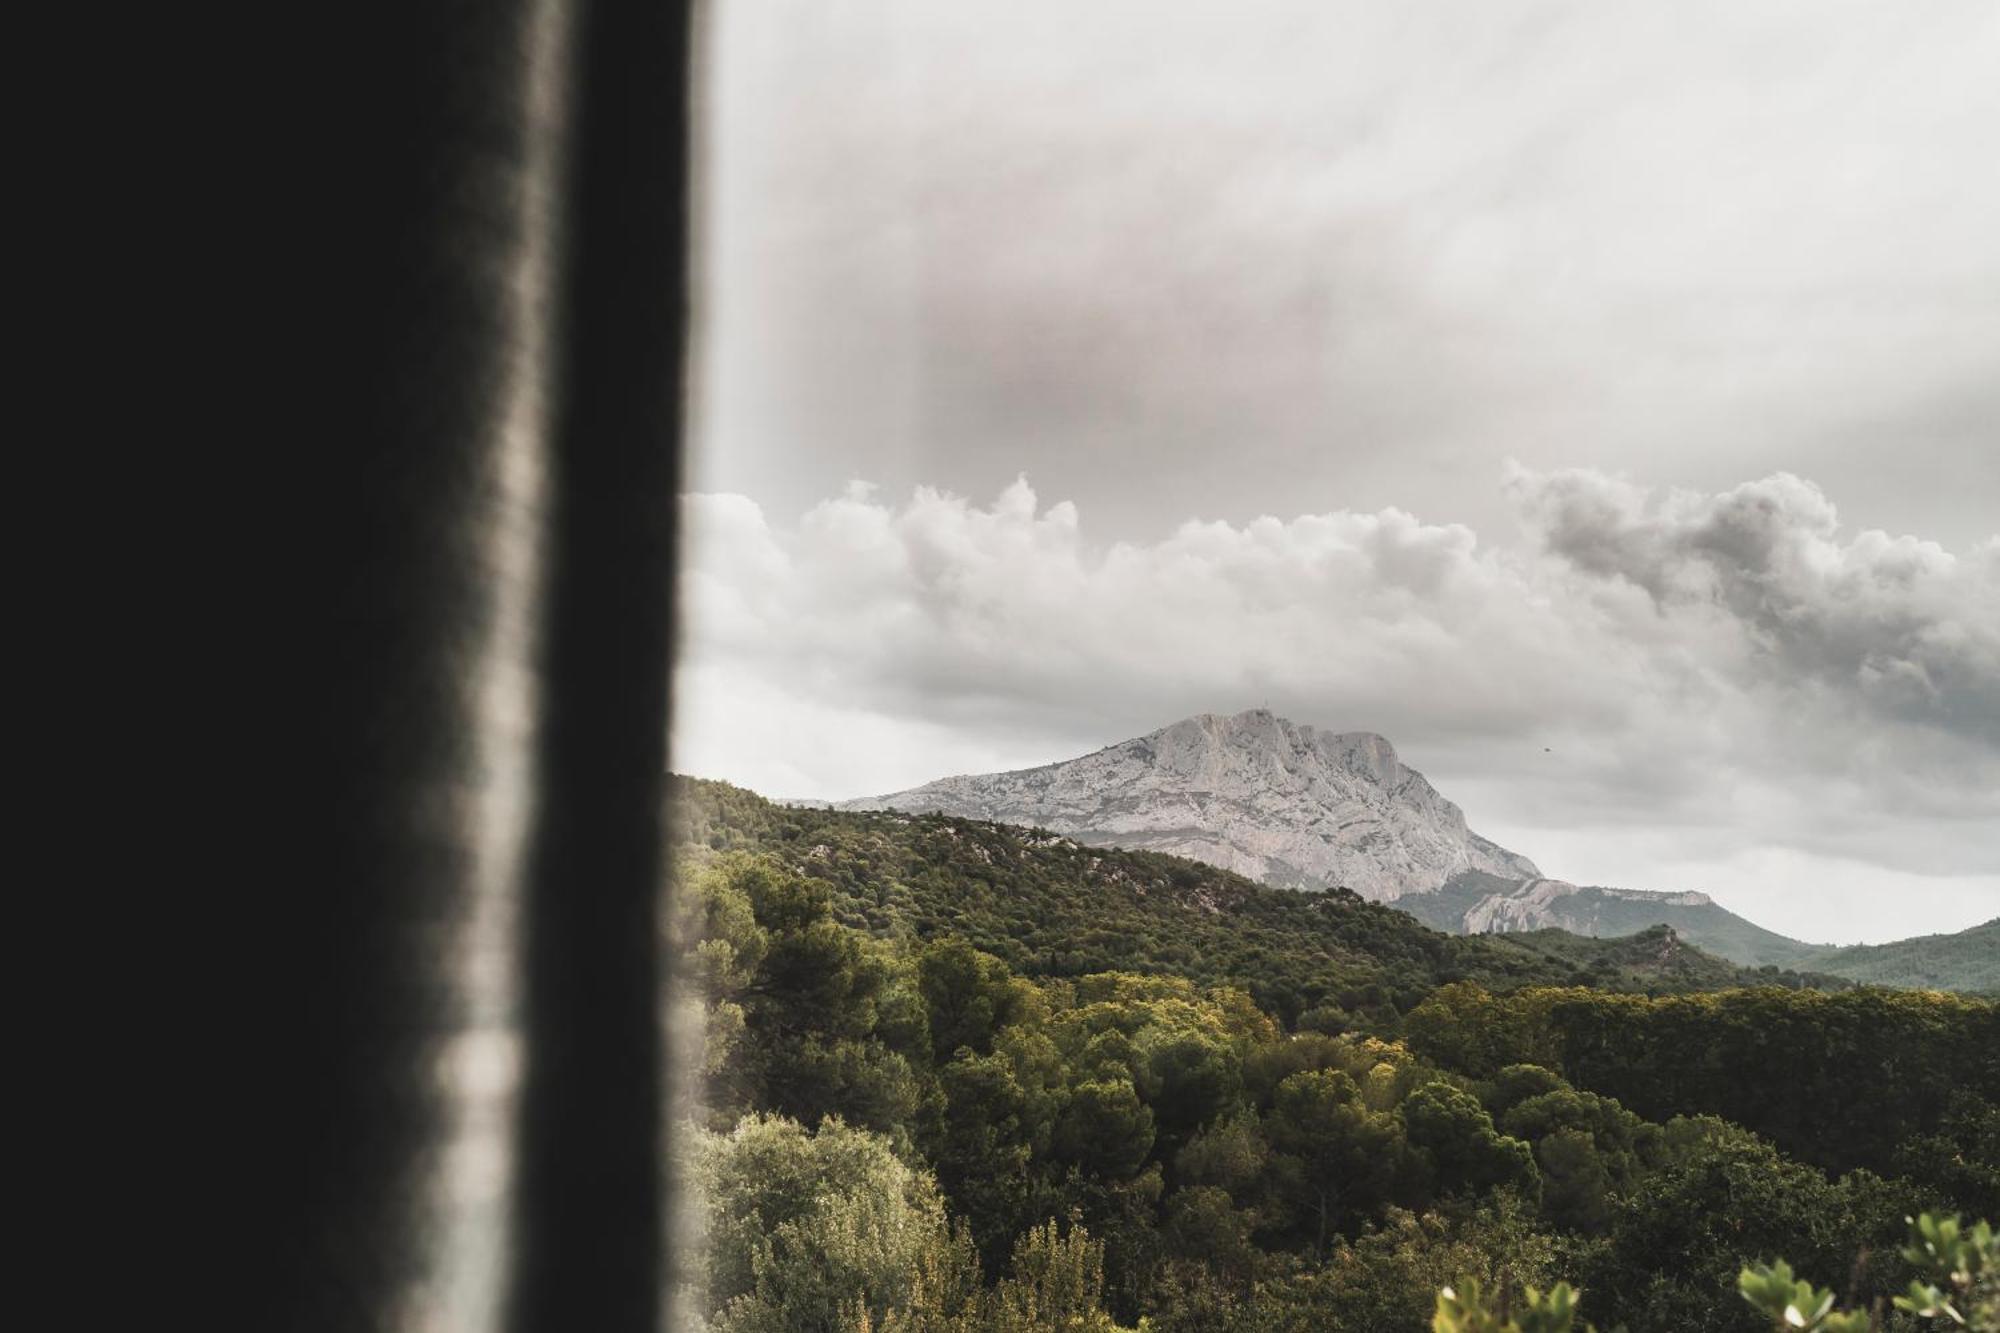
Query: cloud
{"type": "Point", "coordinates": [1672, 678]}
{"type": "Point", "coordinates": [942, 606]}
{"type": "Point", "coordinates": [1178, 259]}
{"type": "Point", "coordinates": [1338, 260]}
{"type": "Point", "coordinates": [1895, 625]}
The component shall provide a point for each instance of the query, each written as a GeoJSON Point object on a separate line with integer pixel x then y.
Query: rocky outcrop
{"type": "Point", "coordinates": [1474, 902]}
{"type": "Point", "coordinates": [1291, 805]}
{"type": "Point", "coordinates": [1539, 903]}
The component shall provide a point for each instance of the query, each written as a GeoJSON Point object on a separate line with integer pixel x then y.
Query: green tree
{"type": "Point", "coordinates": [1469, 1031]}
{"type": "Point", "coordinates": [1231, 1154]}
{"type": "Point", "coordinates": [1386, 1279]}
{"type": "Point", "coordinates": [1332, 1157]}
{"type": "Point", "coordinates": [992, 1129]}
{"type": "Point", "coordinates": [1188, 1079]}
{"type": "Point", "coordinates": [1678, 1242]}
{"type": "Point", "coordinates": [969, 997]}
{"type": "Point", "coordinates": [1463, 1148]}
{"type": "Point", "coordinates": [1590, 1150]}
{"type": "Point", "coordinates": [821, 1015]}
{"type": "Point", "coordinates": [1515, 1084]}
{"type": "Point", "coordinates": [801, 1228]}
{"type": "Point", "coordinates": [1057, 1283]}
{"type": "Point", "coordinates": [1958, 1163]}
{"type": "Point", "coordinates": [1105, 1129]}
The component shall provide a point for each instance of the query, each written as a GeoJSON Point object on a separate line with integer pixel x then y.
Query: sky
{"type": "Point", "coordinates": [1600, 400]}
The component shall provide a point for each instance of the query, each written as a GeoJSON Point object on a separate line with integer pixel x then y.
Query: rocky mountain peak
{"type": "Point", "coordinates": [1252, 792]}
{"type": "Point", "coordinates": [1259, 738]}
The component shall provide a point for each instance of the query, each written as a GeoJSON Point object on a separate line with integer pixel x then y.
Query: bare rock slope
{"type": "Point", "coordinates": [1291, 805]}
{"type": "Point", "coordinates": [1475, 903]}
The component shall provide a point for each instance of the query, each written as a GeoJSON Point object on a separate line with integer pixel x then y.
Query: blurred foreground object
{"type": "Point", "coordinates": [473, 1130]}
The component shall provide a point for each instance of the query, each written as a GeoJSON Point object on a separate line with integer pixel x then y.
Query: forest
{"type": "Point", "coordinates": [958, 1076]}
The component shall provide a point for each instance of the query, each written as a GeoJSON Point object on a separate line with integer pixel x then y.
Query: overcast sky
{"type": "Point", "coordinates": [1601, 400]}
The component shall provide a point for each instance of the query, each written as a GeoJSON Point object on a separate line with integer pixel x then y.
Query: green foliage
{"type": "Point", "coordinates": [1464, 1149]}
{"type": "Point", "coordinates": [818, 1232]}
{"type": "Point", "coordinates": [1638, 944]}
{"type": "Point", "coordinates": [1959, 1273]}
{"type": "Point", "coordinates": [946, 1294]}
{"type": "Point", "coordinates": [1958, 1284]}
{"type": "Point", "coordinates": [1553, 1311]}
{"type": "Point", "coordinates": [1466, 1028]}
{"type": "Point", "coordinates": [1782, 1063]}
{"type": "Point", "coordinates": [993, 1129]}
{"type": "Point", "coordinates": [1776, 1061]}
{"type": "Point", "coordinates": [1959, 1281]}
{"type": "Point", "coordinates": [1677, 1243]}
{"type": "Point", "coordinates": [1334, 1160]}
{"type": "Point", "coordinates": [1382, 1281]}
{"type": "Point", "coordinates": [1590, 1150]}
{"type": "Point", "coordinates": [1959, 1159]}
{"type": "Point", "coordinates": [1387, 1279]}
{"type": "Point", "coordinates": [1203, 1223]}
{"type": "Point", "coordinates": [1049, 906]}
{"type": "Point", "coordinates": [969, 997]}
{"type": "Point", "coordinates": [1772, 1292]}
{"type": "Point", "coordinates": [801, 1229]}
{"type": "Point", "coordinates": [1106, 1128]}
{"type": "Point", "coordinates": [1261, 1112]}
{"type": "Point", "coordinates": [1231, 1154]}
{"type": "Point", "coordinates": [1968, 961]}
{"type": "Point", "coordinates": [834, 1023]}
{"type": "Point", "coordinates": [1058, 1282]}
{"type": "Point", "coordinates": [1515, 1084]}
{"type": "Point", "coordinates": [1056, 1286]}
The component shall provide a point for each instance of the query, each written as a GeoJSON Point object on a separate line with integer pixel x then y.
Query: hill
{"type": "Point", "coordinates": [1476, 902]}
{"type": "Point", "coordinates": [1294, 806]}
{"type": "Point", "coordinates": [1300, 807]}
{"type": "Point", "coordinates": [1049, 905]}
{"type": "Point", "coordinates": [1967, 961]}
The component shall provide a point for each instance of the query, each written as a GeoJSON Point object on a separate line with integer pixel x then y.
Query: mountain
{"type": "Point", "coordinates": [1050, 906]}
{"type": "Point", "coordinates": [1299, 807]}
{"type": "Point", "coordinates": [1291, 805]}
{"type": "Point", "coordinates": [1473, 902]}
{"type": "Point", "coordinates": [1967, 961]}
{"type": "Point", "coordinates": [1655, 952]}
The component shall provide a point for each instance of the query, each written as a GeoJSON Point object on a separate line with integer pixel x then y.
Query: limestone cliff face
{"type": "Point", "coordinates": [1475, 902]}
{"type": "Point", "coordinates": [1254, 793]}
{"type": "Point", "coordinates": [1538, 903]}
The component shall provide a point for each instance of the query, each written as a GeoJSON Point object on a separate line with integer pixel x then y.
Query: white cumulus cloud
{"type": "Point", "coordinates": [1660, 681]}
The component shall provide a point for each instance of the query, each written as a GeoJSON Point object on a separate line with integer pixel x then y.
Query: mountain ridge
{"type": "Point", "coordinates": [1965, 960]}
{"type": "Point", "coordinates": [1048, 905]}
{"type": "Point", "coordinates": [1301, 807]}
{"type": "Point", "coordinates": [1291, 805]}
{"type": "Point", "coordinates": [1476, 903]}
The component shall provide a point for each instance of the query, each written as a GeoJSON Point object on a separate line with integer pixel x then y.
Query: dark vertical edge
{"type": "Point", "coordinates": [414, 153]}
{"type": "Point", "coordinates": [590, 1234]}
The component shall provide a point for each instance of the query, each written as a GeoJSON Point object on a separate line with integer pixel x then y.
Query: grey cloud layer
{"type": "Point", "coordinates": [1900, 624]}
{"type": "Point", "coordinates": [1179, 259]}
{"type": "Point", "coordinates": [1340, 259]}
{"type": "Point", "coordinates": [1727, 662]}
